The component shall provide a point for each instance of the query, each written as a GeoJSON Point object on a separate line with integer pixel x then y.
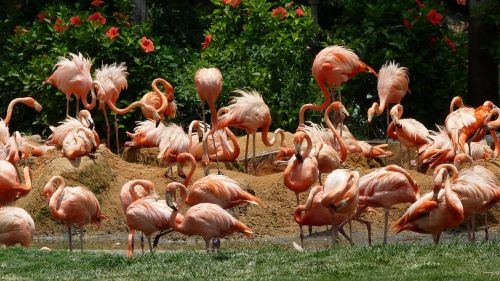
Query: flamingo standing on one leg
{"type": "Point", "coordinates": [435, 211]}
{"type": "Point", "coordinates": [386, 187]}
{"type": "Point", "coordinates": [16, 226]}
{"type": "Point", "coordinates": [208, 83]}
{"type": "Point", "coordinates": [249, 112]}
{"type": "Point", "coordinates": [409, 132]}
{"type": "Point", "coordinates": [333, 66]}
{"type": "Point", "coordinates": [207, 220]}
{"type": "Point", "coordinates": [73, 77]}
{"type": "Point", "coordinates": [392, 86]}
{"type": "Point", "coordinates": [163, 102]}
{"type": "Point", "coordinates": [10, 188]}
{"type": "Point", "coordinates": [72, 205]}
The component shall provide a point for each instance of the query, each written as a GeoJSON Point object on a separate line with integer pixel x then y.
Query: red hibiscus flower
{"type": "Point", "coordinates": [407, 23]}
{"type": "Point", "coordinates": [147, 45]}
{"type": "Point", "coordinates": [59, 26]}
{"type": "Point", "coordinates": [233, 3]}
{"type": "Point", "coordinates": [433, 39]}
{"type": "Point", "coordinates": [75, 20]}
{"type": "Point", "coordinates": [434, 17]}
{"type": "Point", "coordinates": [112, 32]}
{"type": "Point", "coordinates": [450, 43]}
{"type": "Point", "coordinates": [41, 16]}
{"type": "Point", "coordinates": [96, 3]}
{"type": "Point", "coordinates": [279, 11]}
{"type": "Point", "coordinates": [97, 18]}
{"type": "Point", "coordinates": [208, 39]}
{"type": "Point", "coordinates": [299, 12]}
{"type": "Point", "coordinates": [419, 4]}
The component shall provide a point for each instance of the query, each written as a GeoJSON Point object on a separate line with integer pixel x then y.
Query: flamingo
{"type": "Point", "coordinates": [146, 214]}
{"type": "Point", "coordinates": [172, 141]}
{"type": "Point", "coordinates": [10, 188]}
{"type": "Point", "coordinates": [247, 111]}
{"type": "Point", "coordinates": [79, 142]}
{"type": "Point", "coordinates": [72, 76]}
{"type": "Point", "coordinates": [333, 66]}
{"type": "Point", "coordinates": [386, 187]}
{"type": "Point", "coordinates": [492, 126]}
{"type": "Point", "coordinates": [110, 81]}
{"type": "Point", "coordinates": [340, 195]}
{"type": "Point", "coordinates": [392, 86]}
{"type": "Point", "coordinates": [207, 220]}
{"type": "Point", "coordinates": [223, 151]}
{"type": "Point", "coordinates": [16, 226]}
{"type": "Point", "coordinates": [409, 132]}
{"type": "Point", "coordinates": [163, 102]}
{"type": "Point", "coordinates": [435, 211]}
{"type": "Point", "coordinates": [72, 205]}
{"type": "Point", "coordinates": [146, 134]}
{"type": "Point", "coordinates": [216, 189]}
{"type": "Point", "coordinates": [356, 146]}
{"type": "Point", "coordinates": [83, 121]}
{"type": "Point", "coordinates": [28, 101]}
{"type": "Point", "coordinates": [208, 83]}
{"type": "Point", "coordinates": [477, 189]}
{"type": "Point", "coordinates": [302, 169]}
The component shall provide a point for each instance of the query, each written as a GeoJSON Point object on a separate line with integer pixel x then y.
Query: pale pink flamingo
{"type": "Point", "coordinates": [215, 189]}
{"type": "Point", "coordinates": [208, 83]}
{"type": "Point", "coordinates": [333, 66]}
{"type": "Point", "coordinates": [492, 126]}
{"type": "Point", "coordinates": [16, 226]}
{"type": "Point", "coordinates": [340, 195]}
{"type": "Point", "coordinates": [10, 187]}
{"type": "Point", "coordinates": [73, 77]}
{"type": "Point", "coordinates": [435, 211]}
{"type": "Point", "coordinates": [356, 146]}
{"type": "Point", "coordinates": [223, 150]}
{"type": "Point", "coordinates": [477, 189]}
{"type": "Point", "coordinates": [386, 187]}
{"type": "Point", "coordinates": [146, 134]}
{"type": "Point", "coordinates": [392, 86]}
{"type": "Point", "coordinates": [207, 220]}
{"type": "Point", "coordinates": [83, 120]}
{"type": "Point", "coordinates": [78, 143]}
{"type": "Point", "coordinates": [172, 141]}
{"type": "Point", "coordinates": [147, 214]}
{"type": "Point", "coordinates": [409, 132]}
{"type": "Point", "coordinates": [163, 102]}
{"type": "Point", "coordinates": [72, 205]}
{"type": "Point", "coordinates": [28, 101]}
{"type": "Point", "coordinates": [248, 112]}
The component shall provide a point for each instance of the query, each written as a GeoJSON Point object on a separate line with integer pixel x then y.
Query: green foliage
{"type": "Point", "coordinates": [376, 31]}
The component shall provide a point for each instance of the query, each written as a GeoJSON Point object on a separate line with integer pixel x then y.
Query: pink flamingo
{"type": "Point", "coordinates": [409, 132]}
{"type": "Point", "coordinates": [146, 134]}
{"type": "Point", "coordinates": [142, 188]}
{"type": "Point", "coordinates": [73, 77]}
{"type": "Point", "coordinates": [79, 142]}
{"type": "Point", "coordinates": [28, 101]}
{"type": "Point", "coordinates": [10, 188]}
{"type": "Point", "coordinates": [172, 141]}
{"type": "Point", "coordinates": [163, 102]}
{"type": "Point", "coordinates": [223, 150]}
{"type": "Point", "coordinates": [146, 214]}
{"type": "Point", "coordinates": [477, 189]}
{"type": "Point", "coordinates": [215, 189]}
{"type": "Point", "coordinates": [492, 126]}
{"type": "Point", "coordinates": [16, 226]}
{"type": "Point", "coordinates": [208, 83]}
{"type": "Point", "coordinates": [435, 211]}
{"type": "Point", "coordinates": [72, 205]}
{"type": "Point", "coordinates": [333, 66]}
{"type": "Point", "coordinates": [84, 121]}
{"type": "Point", "coordinates": [248, 112]}
{"type": "Point", "coordinates": [392, 86]}
{"type": "Point", "coordinates": [207, 220]}
{"type": "Point", "coordinates": [386, 187]}
{"type": "Point", "coordinates": [340, 195]}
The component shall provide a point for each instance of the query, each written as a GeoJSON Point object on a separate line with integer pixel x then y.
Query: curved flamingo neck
{"type": "Point", "coordinates": [297, 214]}
{"type": "Point", "coordinates": [450, 169]}
{"type": "Point", "coordinates": [145, 184]}
{"type": "Point", "coordinates": [93, 100]}
{"type": "Point", "coordinates": [188, 178]}
{"type": "Point", "coordinates": [496, 152]}
{"type": "Point", "coordinates": [169, 91]}
{"type": "Point", "coordinates": [213, 111]}
{"type": "Point", "coordinates": [342, 145]}
{"type": "Point", "coordinates": [456, 101]}
{"type": "Point", "coordinates": [54, 199]}
{"type": "Point", "coordinates": [10, 108]}
{"type": "Point", "coordinates": [306, 152]}
{"type": "Point", "coordinates": [235, 151]}
{"type": "Point", "coordinates": [315, 107]}
{"type": "Point", "coordinates": [196, 125]}
{"type": "Point", "coordinates": [27, 179]}
{"type": "Point", "coordinates": [396, 112]}
{"type": "Point", "coordinates": [265, 140]}
{"type": "Point", "coordinates": [133, 105]}
{"type": "Point", "coordinates": [395, 168]}
{"type": "Point", "coordinates": [453, 203]}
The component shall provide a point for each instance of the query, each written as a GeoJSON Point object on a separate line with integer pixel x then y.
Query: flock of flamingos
{"type": "Point", "coordinates": [457, 195]}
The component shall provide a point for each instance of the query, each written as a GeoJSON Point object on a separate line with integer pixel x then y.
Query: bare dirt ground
{"type": "Point", "coordinates": [106, 174]}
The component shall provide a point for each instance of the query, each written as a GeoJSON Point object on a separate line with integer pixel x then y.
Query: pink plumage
{"type": "Point", "coordinates": [16, 227]}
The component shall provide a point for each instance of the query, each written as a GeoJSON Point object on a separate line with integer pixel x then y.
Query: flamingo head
{"type": "Point", "coordinates": [86, 119]}
{"type": "Point", "coordinates": [48, 190]}
{"type": "Point", "coordinates": [169, 201]}
{"type": "Point", "coordinates": [371, 112]}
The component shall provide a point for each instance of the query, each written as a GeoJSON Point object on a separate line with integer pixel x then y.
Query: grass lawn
{"type": "Point", "coordinates": [455, 261]}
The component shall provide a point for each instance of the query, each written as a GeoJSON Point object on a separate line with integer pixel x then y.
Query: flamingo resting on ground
{"type": "Point", "coordinates": [248, 112]}
{"type": "Point", "coordinates": [409, 132]}
{"type": "Point", "coordinates": [16, 227]}
{"type": "Point", "coordinates": [207, 220]}
{"type": "Point", "coordinates": [72, 205]}
{"type": "Point", "coordinates": [392, 86]}
{"type": "Point", "coordinates": [435, 211]}
{"type": "Point", "coordinates": [163, 102]}
{"type": "Point", "coordinates": [73, 77]}
{"type": "Point", "coordinates": [386, 187]}
{"type": "Point", "coordinates": [83, 120]}
{"type": "Point", "coordinates": [10, 188]}
{"type": "Point", "coordinates": [333, 66]}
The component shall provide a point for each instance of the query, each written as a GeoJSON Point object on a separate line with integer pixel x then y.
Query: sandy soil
{"type": "Point", "coordinates": [108, 172]}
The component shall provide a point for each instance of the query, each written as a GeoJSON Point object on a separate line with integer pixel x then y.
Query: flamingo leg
{"type": "Point", "coordinates": [130, 251]}
{"type": "Point", "coordinates": [436, 237]}
{"type": "Point", "coordinates": [108, 130]}
{"type": "Point", "coordinates": [486, 236]}
{"type": "Point", "coordinates": [342, 232]}
{"type": "Point", "coordinates": [386, 224]}
{"type": "Point", "coordinates": [67, 106]}
{"type": "Point", "coordinates": [81, 239]}
{"type": "Point", "coordinates": [310, 229]}
{"type": "Point", "coordinates": [401, 154]}
{"type": "Point", "coordinates": [335, 230]}
{"type": "Point", "coordinates": [216, 156]}
{"type": "Point", "coordinates": [246, 153]}
{"type": "Point", "coordinates": [203, 114]}
{"type": "Point", "coordinates": [142, 242]}
{"type": "Point", "coordinates": [77, 105]}
{"type": "Point", "coordinates": [254, 164]}
{"type": "Point", "coordinates": [350, 232]}
{"type": "Point", "coordinates": [300, 226]}
{"type": "Point", "coordinates": [149, 243]}
{"type": "Point", "coordinates": [368, 229]}
{"type": "Point", "coordinates": [116, 136]}
{"type": "Point", "coordinates": [158, 236]}
{"type": "Point", "coordinates": [387, 118]}
{"type": "Point", "coordinates": [473, 225]}
{"type": "Point", "coordinates": [207, 245]}
{"type": "Point", "coordinates": [70, 239]}
{"type": "Point", "coordinates": [409, 158]}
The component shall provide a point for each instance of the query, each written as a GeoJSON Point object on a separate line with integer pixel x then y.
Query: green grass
{"type": "Point", "coordinates": [394, 262]}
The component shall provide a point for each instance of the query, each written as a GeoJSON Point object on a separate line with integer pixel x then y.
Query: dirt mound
{"type": "Point", "coordinates": [106, 174]}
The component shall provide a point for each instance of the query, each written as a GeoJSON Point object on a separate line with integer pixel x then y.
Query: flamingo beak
{"type": "Point", "coordinates": [346, 113]}
{"type": "Point", "coordinates": [38, 107]}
